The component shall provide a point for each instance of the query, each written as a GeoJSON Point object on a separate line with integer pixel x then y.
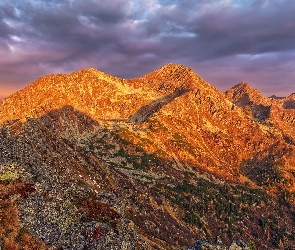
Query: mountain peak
{"type": "Point", "coordinates": [292, 96]}
{"type": "Point", "coordinates": [172, 66]}
{"type": "Point", "coordinates": [170, 77]}
{"type": "Point", "coordinates": [93, 71]}
{"type": "Point", "coordinates": [243, 94]}
{"type": "Point", "coordinates": [174, 69]}
{"type": "Point", "coordinates": [242, 85]}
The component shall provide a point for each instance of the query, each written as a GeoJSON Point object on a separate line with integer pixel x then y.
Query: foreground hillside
{"type": "Point", "coordinates": [91, 161]}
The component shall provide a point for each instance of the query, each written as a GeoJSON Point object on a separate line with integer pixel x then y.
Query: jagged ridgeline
{"type": "Point", "coordinates": [165, 161]}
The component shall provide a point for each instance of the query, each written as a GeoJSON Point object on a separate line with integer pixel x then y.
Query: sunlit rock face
{"type": "Point", "coordinates": [91, 161]}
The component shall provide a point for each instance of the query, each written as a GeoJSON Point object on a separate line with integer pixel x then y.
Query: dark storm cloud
{"type": "Point", "coordinates": [251, 30]}
{"type": "Point", "coordinates": [223, 41]}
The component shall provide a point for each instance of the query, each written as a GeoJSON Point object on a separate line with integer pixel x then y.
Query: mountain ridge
{"type": "Point", "coordinates": [108, 98]}
{"type": "Point", "coordinates": [153, 163]}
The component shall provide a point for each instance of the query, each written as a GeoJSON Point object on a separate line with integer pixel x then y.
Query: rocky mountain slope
{"type": "Point", "coordinates": [91, 161]}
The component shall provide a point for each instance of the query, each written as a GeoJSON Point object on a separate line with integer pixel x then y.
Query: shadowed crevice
{"type": "Point", "coordinates": [289, 104]}
{"type": "Point", "coordinates": [260, 112]}
{"type": "Point", "coordinates": [146, 111]}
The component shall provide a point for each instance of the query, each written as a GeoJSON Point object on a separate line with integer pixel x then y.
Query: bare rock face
{"type": "Point", "coordinates": [277, 116]}
{"type": "Point", "coordinates": [251, 101]}
{"type": "Point", "coordinates": [91, 161]}
{"type": "Point", "coordinates": [277, 111]}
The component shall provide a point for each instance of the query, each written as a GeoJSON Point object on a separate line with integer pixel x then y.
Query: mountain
{"type": "Point", "coordinates": [252, 102]}
{"type": "Point", "coordinates": [91, 161]}
{"type": "Point", "coordinates": [276, 111]}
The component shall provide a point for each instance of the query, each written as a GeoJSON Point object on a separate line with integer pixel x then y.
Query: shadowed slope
{"type": "Point", "coordinates": [146, 111]}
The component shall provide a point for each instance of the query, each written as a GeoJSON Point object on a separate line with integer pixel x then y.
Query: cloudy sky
{"type": "Point", "coordinates": [224, 41]}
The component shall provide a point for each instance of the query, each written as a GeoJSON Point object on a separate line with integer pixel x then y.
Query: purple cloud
{"type": "Point", "coordinates": [225, 42]}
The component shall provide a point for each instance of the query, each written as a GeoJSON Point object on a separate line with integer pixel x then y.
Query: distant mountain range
{"type": "Point", "coordinates": [91, 161]}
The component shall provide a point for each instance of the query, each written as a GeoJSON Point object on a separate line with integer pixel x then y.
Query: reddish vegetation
{"type": "Point", "coordinates": [18, 187]}
{"type": "Point", "coordinates": [101, 212]}
{"type": "Point", "coordinates": [12, 234]}
{"type": "Point", "coordinates": [99, 232]}
{"type": "Point", "coordinates": [25, 190]}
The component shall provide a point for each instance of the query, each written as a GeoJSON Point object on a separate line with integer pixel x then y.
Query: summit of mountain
{"type": "Point", "coordinates": [243, 95]}
{"type": "Point", "coordinates": [250, 100]}
{"type": "Point", "coordinates": [170, 77]}
{"type": "Point", "coordinates": [279, 112]}
{"type": "Point", "coordinates": [81, 89]}
{"type": "Point", "coordinates": [153, 162]}
{"type": "Point", "coordinates": [292, 96]}
{"type": "Point", "coordinates": [289, 102]}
